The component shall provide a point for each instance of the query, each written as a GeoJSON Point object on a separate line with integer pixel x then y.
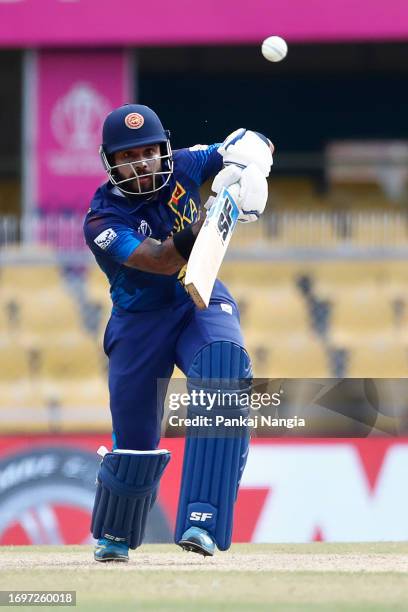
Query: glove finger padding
{"type": "Point", "coordinates": [226, 177]}
{"type": "Point", "coordinates": [253, 194]}
{"type": "Point", "coordinates": [244, 147]}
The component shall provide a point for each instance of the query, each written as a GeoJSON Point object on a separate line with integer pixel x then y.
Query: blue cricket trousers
{"type": "Point", "coordinates": [144, 346]}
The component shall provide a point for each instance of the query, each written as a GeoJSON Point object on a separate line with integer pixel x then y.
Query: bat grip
{"type": "Point", "coordinates": [234, 190]}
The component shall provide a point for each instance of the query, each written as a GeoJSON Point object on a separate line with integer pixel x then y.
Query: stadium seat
{"type": "Point", "coordinates": [302, 231]}
{"type": "Point", "coordinates": [299, 359]}
{"type": "Point", "coordinates": [378, 360]}
{"type": "Point", "coordinates": [276, 312]}
{"type": "Point", "coordinates": [14, 362]}
{"type": "Point", "coordinates": [259, 274]}
{"type": "Point", "coordinates": [52, 374]}
{"type": "Point", "coordinates": [335, 277]}
{"type": "Point", "coordinates": [78, 404]}
{"type": "Point", "coordinates": [29, 280]}
{"type": "Point", "coordinates": [358, 194]}
{"type": "Point", "coordinates": [71, 360]}
{"type": "Point", "coordinates": [294, 357]}
{"type": "Point", "coordinates": [22, 408]}
{"type": "Point", "coordinates": [6, 396]}
{"type": "Point", "coordinates": [379, 229]}
{"type": "Point", "coordinates": [394, 280]}
{"type": "Point", "coordinates": [55, 405]}
{"type": "Point", "coordinates": [4, 319]}
{"type": "Point", "coordinates": [401, 315]}
{"type": "Point", "coordinates": [360, 316]}
{"type": "Point", "coordinates": [247, 234]}
{"type": "Point", "coordinates": [48, 313]}
{"type": "Point", "coordinates": [96, 283]}
{"type": "Point", "coordinates": [293, 191]}
{"type": "Point", "coordinates": [98, 295]}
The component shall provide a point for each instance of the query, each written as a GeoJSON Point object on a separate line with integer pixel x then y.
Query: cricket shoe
{"type": "Point", "coordinates": [105, 550]}
{"type": "Point", "coordinates": [197, 540]}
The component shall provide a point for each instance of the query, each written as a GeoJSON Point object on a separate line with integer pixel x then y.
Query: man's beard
{"type": "Point", "coordinates": [146, 184]}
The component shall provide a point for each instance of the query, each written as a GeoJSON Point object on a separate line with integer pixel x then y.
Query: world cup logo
{"type": "Point", "coordinates": [77, 117]}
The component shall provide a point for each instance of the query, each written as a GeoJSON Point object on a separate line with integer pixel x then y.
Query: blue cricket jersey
{"type": "Point", "coordinates": [115, 226]}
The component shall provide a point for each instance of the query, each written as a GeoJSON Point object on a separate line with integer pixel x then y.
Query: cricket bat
{"type": "Point", "coordinates": [210, 246]}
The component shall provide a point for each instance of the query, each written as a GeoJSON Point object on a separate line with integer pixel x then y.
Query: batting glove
{"type": "Point", "coordinates": [244, 147]}
{"type": "Point", "coordinates": [253, 193]}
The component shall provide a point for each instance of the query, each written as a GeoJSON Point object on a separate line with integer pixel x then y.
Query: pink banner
{"type": "Point", "coordinates": [87, 22]}
{"type": "Point", "coordinates": [74, 92]}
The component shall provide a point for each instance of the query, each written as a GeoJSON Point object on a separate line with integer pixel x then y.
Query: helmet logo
{"type": "Point", "coordinates": [134, 121]}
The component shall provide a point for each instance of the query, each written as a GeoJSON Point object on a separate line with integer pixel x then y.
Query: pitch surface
{"type": "Point", "coordinates": [366, 577]}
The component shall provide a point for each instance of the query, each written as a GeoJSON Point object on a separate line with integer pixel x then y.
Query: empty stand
{"type": "Point", "coordinates": [359, 316]}
{"type": "Point", "coordinates": [97, 285]}
{"type": "Point", "coordinates": [79, 359]}
{"type": "Point", "coordinates": [275, 312]}
{"type": "Point", "coordinates": [29, 280]}
{"type": "Point", "coordinates": [258, 275]}
{"type": "Point", "coordinates": [378, 360]}
{"type": "Point", "coordinates": [379, 229]}
{"type": "Point", "coordinates": [301, 357]}
{"type": "Point", "coordinates": [53, 371]}
{"type": "Point", "coordinates": [51, 313]}
{"type": "Point", "coordinates": [14, 362]}
{"type": "Point", "coordinates": [99, 300]}
{"type": "Point", "coordinates": [293, 191]}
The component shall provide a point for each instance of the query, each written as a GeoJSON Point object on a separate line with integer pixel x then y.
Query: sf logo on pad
{"type": "Point", "coordinates": [200, 516]}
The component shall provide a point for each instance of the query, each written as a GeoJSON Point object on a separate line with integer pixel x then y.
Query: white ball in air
{"type": "Point", "coordinates": [274, 48]}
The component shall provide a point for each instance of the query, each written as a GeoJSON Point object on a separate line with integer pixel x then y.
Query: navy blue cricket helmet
{"type": "Point", "coordinates": [129, 127]}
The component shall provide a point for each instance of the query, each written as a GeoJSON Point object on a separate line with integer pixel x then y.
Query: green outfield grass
{"type": "Point", "coordinates": [311, 577]}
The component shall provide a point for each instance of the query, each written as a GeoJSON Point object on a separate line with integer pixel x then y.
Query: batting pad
{"type": "Point", "coordinates": [214, 458]}
{"type": "Point", "coordinates": [127, 484]}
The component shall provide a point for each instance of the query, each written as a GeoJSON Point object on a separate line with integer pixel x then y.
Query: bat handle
{"type": "Point", "coordinates": [234, 190]}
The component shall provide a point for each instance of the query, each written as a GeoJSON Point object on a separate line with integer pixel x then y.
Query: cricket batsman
{"type": "Point", "coordinates": [141, 227]}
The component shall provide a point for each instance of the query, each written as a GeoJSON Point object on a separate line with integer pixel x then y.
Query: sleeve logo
{"type": "Point", "coordinates": [105, 238]}
{"type": "Point", "coordinates": [198, 147]}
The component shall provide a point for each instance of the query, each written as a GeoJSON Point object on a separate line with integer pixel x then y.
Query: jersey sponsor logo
{"type": "Point", "coordinates": [144, 228]}
{"type": "Point", "coordinates": [105, 238]}
{"type": "Point", "coordinates": [200, 516]}
{"type": "Point", "coordinates": [134, 121]}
